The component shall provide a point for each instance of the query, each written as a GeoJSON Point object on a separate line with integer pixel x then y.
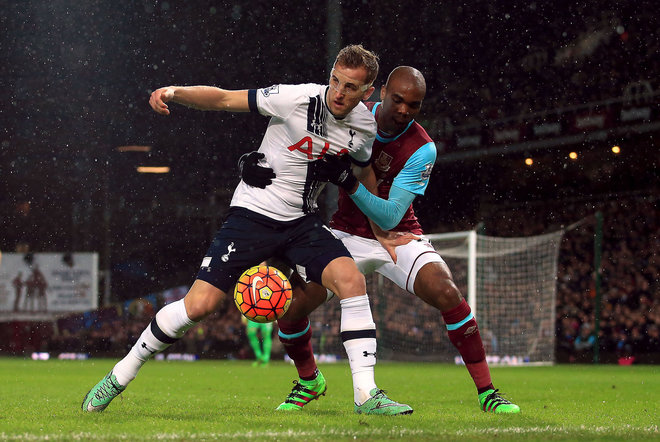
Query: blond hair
{"type": "Point", "coordinates": [356, 56]}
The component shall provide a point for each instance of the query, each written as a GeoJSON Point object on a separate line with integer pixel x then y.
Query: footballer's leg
{"type": "Point", "coordinates": [251, 331]}
{"type": "Point", "coordinates": [267, 339]}
{"type": "Point", "coordinates": [326, 261]}
{"type": "Point", "coordinates": [168, 326]}
{"type": "Point", "coordinates": [295, 335]}
{"type": "Point", "coordinates": [358, 333]}
{"type": "Point", "coordinates": [434, 285]}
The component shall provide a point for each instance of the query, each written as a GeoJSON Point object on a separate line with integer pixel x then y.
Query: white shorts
{"type": "Point", "coordinates": [370, 256]}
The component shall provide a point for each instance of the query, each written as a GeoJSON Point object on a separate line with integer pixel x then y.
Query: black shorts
{"type": "Point", "coordinates": [247, 238]}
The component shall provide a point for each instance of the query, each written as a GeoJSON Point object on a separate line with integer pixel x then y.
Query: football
{"type": "Point", "coordinates": [262, 294]}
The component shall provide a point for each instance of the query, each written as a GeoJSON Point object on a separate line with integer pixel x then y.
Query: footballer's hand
{"type": "Point", "coordinates": [158, 99]}
{"type": "Point", "coordinates": [336, 170]}
{"type": "Point", "coordinates": [391, 240]}
{"type": "Point", "coordinates": [252, 173]}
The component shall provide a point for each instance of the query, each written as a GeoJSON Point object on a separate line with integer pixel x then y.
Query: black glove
{"type": "Point", "coordinates": [252, 173]}
{"type": "Point", "coordinates": [336, 170]}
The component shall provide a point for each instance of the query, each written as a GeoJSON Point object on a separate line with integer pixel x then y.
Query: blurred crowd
{"type": "Point", "coordinates": [630, 274]}
{"type": "Point", "coordinates": [219, 336]}
{"type": "Point", "coordinates": [630, 307]}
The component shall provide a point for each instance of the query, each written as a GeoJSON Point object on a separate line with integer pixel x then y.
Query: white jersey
{"type": "Point", "coordinates": [301, 130]}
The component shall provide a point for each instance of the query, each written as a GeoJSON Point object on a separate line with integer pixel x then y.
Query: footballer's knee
{"type": "Point", "coordinates": [343, 278]}
{"type": "Point", "coordinates": [350, 285]}
{"type": "Point", "coordinates": [202, 299]}
{"type": "Point", "coordinates": [435, 286]}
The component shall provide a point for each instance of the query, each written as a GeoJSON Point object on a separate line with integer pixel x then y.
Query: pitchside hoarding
{"type": "Point", "coordinates": [42, 285]}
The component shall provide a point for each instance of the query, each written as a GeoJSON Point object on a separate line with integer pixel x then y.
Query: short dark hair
{"type": "Point", "coordinates": [355, 56]}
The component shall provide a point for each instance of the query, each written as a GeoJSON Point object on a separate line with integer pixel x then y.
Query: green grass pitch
{"type": "Point", "coordinates": [231, 400]}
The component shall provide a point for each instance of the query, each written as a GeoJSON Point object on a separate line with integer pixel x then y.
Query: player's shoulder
{"type": "Point", "coordinates": [419, 144]}
{"type": "Point", "coordinates": [292, 91]}
{"type": "Point", "coordinates": [362, 118]}
{"type": "Point", "coordinates": [416, 139]}
{"type": "Point", "coordinates": [419, 132]}
{"type": "Point", "coordinates": [310, 89]}
{"type": "Point", "coordinates": [426, 149]}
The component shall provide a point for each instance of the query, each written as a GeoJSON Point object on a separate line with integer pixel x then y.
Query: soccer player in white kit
{"type": "Point", "coordinates": [402, 159]}
{"type": "Point", "coordinates": [308, 122]}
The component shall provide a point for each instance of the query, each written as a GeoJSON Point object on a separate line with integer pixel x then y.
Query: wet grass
{"type": "Point", "coordinates": [207, 400]}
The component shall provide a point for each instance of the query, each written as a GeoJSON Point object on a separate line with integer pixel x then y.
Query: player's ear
{"type": "Point", "coordinates": [383, 92]}
{"type": "Point", "coordinates": [368, 93]}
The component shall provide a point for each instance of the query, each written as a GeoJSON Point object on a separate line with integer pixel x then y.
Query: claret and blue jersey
{"type": "Point", "coordinates": [402, 164]}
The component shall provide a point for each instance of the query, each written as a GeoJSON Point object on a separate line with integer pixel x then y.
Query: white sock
{"type": "Point", "coordinates": [170, 323]}
{"type": "Point", "coordinates": [358, 332]}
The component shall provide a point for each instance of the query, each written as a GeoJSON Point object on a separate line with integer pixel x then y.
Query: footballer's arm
{"type": "Point", "coordinates": [386, 213]}
{"type": "Point", "coordinates": [199, 97]}
{"type": "Point", "coordinates": [389, 240]}
{"type": "Point", "coordinates": [409, 182]}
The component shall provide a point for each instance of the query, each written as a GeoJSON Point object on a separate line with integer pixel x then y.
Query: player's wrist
{"type": "Point", "coordinates": [352, 186]}
{"type": "Point", "coordinates": [358, 193]}
{"type": "Point", "coordinates": [348, 181]}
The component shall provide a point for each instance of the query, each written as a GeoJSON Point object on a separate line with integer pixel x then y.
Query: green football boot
{"type": "Point", "coordinates": [303, 393]}
{"type": "Point", "coordinates": [492, 402]}
{"type": "Point", "coordinates": [379, 403]}
{"type": "Point", "coordinates": [101, 394]}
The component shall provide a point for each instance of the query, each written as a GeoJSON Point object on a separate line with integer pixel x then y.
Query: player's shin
{"type": "Point", "coordinates": [463, 332]}
{"type": "Point", "coordinates": [296, 337]}
{"type": "Point", "coordinates": [267, 347]}
{"type": "Point", "coordinates": [358, 333]}
{"type": "Point", "coordinates": [170, 323]}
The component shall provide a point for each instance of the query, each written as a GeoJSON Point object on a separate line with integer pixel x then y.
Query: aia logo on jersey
{"type": "Point", "coordinates": [383, 162]}
{"type": "Point", "coordinates": [274, 89]}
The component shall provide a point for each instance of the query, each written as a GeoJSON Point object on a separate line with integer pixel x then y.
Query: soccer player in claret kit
{"type": "Point", "coordinates": [308, 122]}
{"type": "Point", "coordinates": [402, 159]}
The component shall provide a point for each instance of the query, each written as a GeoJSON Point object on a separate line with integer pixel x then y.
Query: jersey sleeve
{"type": "Point", "coordinates": [387, 213]}
{"type": "Point", "coordinates": [414, 177]}
{"type": "Point", "coordinates": [364, 129]}
{"type": "Point", "coordinates": [278, 100]}
{"type": "Point", "coordinates": [362, 156]}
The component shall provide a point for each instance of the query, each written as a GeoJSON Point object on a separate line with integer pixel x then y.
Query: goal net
{"type": "Point", "coordinates": [510, 284]}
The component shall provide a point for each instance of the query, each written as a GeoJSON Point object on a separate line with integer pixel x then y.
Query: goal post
{"type": "Point", "coordinates": [514, 286]}
{"type": "Point", "coordinates": [509, 283]}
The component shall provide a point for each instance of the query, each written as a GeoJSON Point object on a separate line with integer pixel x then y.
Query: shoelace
{"type": "Point", "coordinates": [494, 400]}
{"type": "Point", "coordinates": [379, 397]}
{"type": "Point", "coordinates": [296, 388]}
{"type": "Point", "coordinates": [103, 392]}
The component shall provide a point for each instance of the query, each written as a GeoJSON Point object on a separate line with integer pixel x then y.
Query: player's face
{"type": "Point", "coordinates": [401, 103]}
{"type": "Point", "coordinates": [347, 88]}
